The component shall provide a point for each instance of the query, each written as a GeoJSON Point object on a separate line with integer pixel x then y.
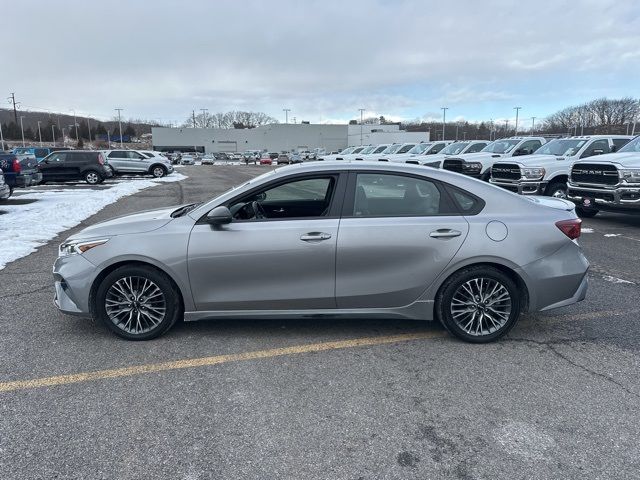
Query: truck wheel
{"type": "Point", "coordinates": [557, 190]}
{"type": "Point", "coordinates": [92, 177]}
{"type": "Point", "coordinates": [586, 212]}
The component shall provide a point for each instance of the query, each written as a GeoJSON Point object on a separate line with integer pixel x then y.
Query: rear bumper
{"type": "Point", "coordinates": [557, 280]}
{"type": "Point", "coordinates": [618, 198]}
{"type": "Point", "coordinates": [522, 188]}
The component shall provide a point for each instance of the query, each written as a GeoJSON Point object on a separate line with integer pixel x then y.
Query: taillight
{"type": "Point", "coordinates": [100, 159]}
{"type": "Point", "coordinates": [571, 228]}
{"type": "Point", "coordinates": [17, 168]}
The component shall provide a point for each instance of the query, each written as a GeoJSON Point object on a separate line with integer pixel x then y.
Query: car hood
{"type": "Point", "coordinates": [552, 202]}
{"type": "Point", "coordinates": [534, 160]}
{"type": "Point", "coordinates": [624, 159]}
{"type": "Point", "coordinates": [141, 222]}
{"type": "Point", "coordinates": [478, 156]}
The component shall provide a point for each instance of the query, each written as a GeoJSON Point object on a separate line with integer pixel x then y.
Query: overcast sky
{"type": "Point", "coordinates": [322, 59]}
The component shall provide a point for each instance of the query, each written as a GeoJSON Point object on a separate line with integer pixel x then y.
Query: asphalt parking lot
{"type": "Point", "coordinates": [559, 397]}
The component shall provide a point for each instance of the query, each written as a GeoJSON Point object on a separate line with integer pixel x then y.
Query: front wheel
{"type": "Point", "coordinates": [557, 190]}
{"type": "Point", "coordinates": [158, 172]}
{"type": "Point", "coordinates": [586, 212]}
{"type": "Point", "coordinates": [137, 302]}
{"type": "Point", "coordinates": [478, 304]}
{"type": "Point", "coordinates": [92, 178]}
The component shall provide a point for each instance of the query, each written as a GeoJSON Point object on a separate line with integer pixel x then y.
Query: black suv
{"type": "Point", "coordinates": [87, 165]}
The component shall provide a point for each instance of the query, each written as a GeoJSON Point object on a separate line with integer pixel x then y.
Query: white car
{"type": "Point", "coordinates": [453, 148]}
{"type": "Point", "coordinates": [346, 151]}
{"type": "Point", "coordinates": [188, 160]}
{"type": "Point", "coordinates": [478, 165]}
{"type": "Point", "coordinates": [546, 171]}
{"type": "Point", "coordinates": [361, 155]}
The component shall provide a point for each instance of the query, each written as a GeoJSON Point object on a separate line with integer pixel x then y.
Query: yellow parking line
{"type": "Point", "coordinates": [207, 361]}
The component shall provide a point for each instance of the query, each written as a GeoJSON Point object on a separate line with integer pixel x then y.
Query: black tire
{"type": "Point", "coordinates": [137, 275]}
{"type": "Point", "coordinates": [10, 193]}
{"type": "Point", "coordinates": [91, 177]}
{"type": "Point", "coordinates": [455, 287]}
{"type": "Point", "coordinates": [557, 189]}
{"type": "Point", "coordinates": [158, 171]}
{"type": "Point", "coordinates": [586, 212]}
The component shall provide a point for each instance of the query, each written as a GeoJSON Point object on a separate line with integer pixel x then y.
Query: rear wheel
{"type": "Point", "coordinates": [92, 177]}
{"type": "Point", "coordinates": [478, 304]}
{"type": "Point", "coordinates": [586, 212]}
{"type": "Point", "coordinates": [137, 302]}
{"type": "Point", "coordinates": [557, 190]}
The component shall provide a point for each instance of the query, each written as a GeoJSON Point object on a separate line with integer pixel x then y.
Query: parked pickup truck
{"type": "Point", "coordinates": [609, 182]}
{"type": "Point", "coordinates": [479, 164]}
{"type": "Point", "coordinates": [19, 172]}
{"type": "Point", "coordinates": [547, 170]}
{"type": "Point", "coordinates": [433, 157]}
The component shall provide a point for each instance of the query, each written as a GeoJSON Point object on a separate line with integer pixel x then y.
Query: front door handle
{"type": "Point", "coordinates": [315, 237]}
{"type": "Point", "coordinates": [445, 233]}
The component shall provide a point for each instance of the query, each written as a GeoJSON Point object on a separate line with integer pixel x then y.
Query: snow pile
{"type": "Point", "coordinates": [23, 228]}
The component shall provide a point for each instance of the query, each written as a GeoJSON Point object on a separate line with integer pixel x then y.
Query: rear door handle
{"type": "Point", "coordinates": [445, 233]}
{"type": "Point", "coordinates": [315, 237]}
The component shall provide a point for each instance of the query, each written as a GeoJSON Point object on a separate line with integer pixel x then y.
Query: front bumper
{"type": "Point", "coordinates": [533, 187]}
{"type": "Point", "coordinates": [73, 276]}
{"type": "Point", "coordinates": [617, 197]}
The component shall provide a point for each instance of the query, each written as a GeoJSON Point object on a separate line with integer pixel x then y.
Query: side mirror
{"type": "Point", "coordinates": [219, 216]}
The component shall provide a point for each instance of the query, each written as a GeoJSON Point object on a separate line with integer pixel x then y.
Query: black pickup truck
{"type": "Point", "coordinates": [19, 171]}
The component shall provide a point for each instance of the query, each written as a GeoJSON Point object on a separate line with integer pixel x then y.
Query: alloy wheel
{"type": "Point", "coordinates": [481, 306]}
{"type": "Point", "coordinates": [559, 193]}
{"type": "Point", "coordinates": [92, 178]}
{"type": "Point", "coordinates": [158, 172]}
{"type": "Point", "coordinates": [135, 305]}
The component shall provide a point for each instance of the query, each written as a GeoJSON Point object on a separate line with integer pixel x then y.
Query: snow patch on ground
{"type": "Point", "coordinates": [587, 230]}
{"type": "Point", "coordinates": [609, 278]}
{"type": "Point", "coordinates": [24, 227]}
{"type": "Point", "coordinates": [612, 234]}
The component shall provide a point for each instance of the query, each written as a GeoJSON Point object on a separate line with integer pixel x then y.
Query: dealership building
{"type": "Point", "coordinates": [279, 137]}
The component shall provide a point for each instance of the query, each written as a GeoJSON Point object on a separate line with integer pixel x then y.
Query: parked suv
{"type": "Point", "coordinates": [20, 171]}
{"type": "Point", "coordinates": [547, 170]}
{"type": "Point", "coordinates": [138, 162]}
{"type": "Point", "coordinates": [609, 182]}
{"type": "Point", "coordinates": [87, 165]}
{"type": "Point", "coordinates": [478, 165]}
{"type": "Point", "coordinates": [438, 151]}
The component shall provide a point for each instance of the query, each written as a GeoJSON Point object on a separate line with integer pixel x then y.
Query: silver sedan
{"type": "Point", "coordinates": [368, 240]}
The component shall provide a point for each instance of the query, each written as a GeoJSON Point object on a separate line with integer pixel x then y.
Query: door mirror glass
{"type": "Point", "coordinates": [219, 216]}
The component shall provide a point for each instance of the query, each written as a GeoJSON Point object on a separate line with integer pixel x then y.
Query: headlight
{"type": "Point", "coordinates": [78, 247]}
{"type": "Point", "coordinates": [533, 173]}
{"type": "Point", "coordinates": [630, 175]}
{"type": "Point", "coordinates": [472, 167]}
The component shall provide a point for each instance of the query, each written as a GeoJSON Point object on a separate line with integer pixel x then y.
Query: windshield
{"type": "Point", "coordinates": [380, 149]}
{"type": "Point", "coordinates": [632, 146]}
{"type": "Point", "coordinates": [358, 150]}
{"type": "Point", "coordinates": [561, 147]}
{"type": "Point", "coordinates": [501, 146]}
{"type": "Point", "coordinates": [406, 148]}
{"type": "Point", "coordinates": [368, 150]}
{"type": "Point", "coordinates": [419, 148]}
{"type": "Point", "coordinates": [391, 149]}
{"type": "Point", "coordinates": [454, 148]}
{"type": "Point", "coordinates": [347, 150]}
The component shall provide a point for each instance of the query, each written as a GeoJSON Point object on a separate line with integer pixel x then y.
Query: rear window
{"type": "Point", "coordinates": [467, 203]}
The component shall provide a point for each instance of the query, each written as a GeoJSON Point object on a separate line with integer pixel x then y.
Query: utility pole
{"type": "Point", "coordinates": [193, 115]}
{"type": "Point", "coordinates": [517, 109]}
{"type": "Point", "coordinates": [53, 135]}
{"type": "Point", "coordinates": [1, 139]}
{"type": "Point", "coordinates": [12, 99]}
{"type": "Point", "coordinates": [75, 124]}
{"type": "Point", "coordinates": [506, 127]}
{"type": "Point", "coordinates": [490, 128]}
{"type": "Point", "coordinates": [204, 117]}
{"type": "Point", "coordinates": [39, 134]}
{"type": "Point", "coordinates": [119, 125]}
{"type": "Point", "coordinates": [444, 119]}
{"type": "Point", "coordinates": [286, 114]}
{"type": "Point", "coordinates": [533, 125]}
{"type": "Point", "coordinates": [361, 120]}
{"type": "Point", "coordinates": [457, 125]}
{"type": "Point", "coordinates": [89, 129]}
{"type": "Point", "coordinates": [22, 129]}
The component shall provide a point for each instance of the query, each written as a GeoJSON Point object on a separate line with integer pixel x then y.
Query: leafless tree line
{"type": "Point", "coordinates": [232, 119]}
{"type": "Point", "coordinates": [602, 115]}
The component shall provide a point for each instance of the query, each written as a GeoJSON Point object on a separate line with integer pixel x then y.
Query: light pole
{"type": "Point", "coordinates": [533, 125]}
{"type": "Point", "coordinates": [75, 124]}
{"type": "Point", "coordinates": [286, 114]}
{"type": "Point", "coordinates": [120, 125]}
{"type": "Point", "coordinates": [53, 134]}
{"type": "Point", "coordinates": [1, 139]}
{"type": "Point", "coordinates": [204, 117]}
{"type": "Point", "coordinates": [89, 129]}
{"type": "Point", "coordinates": [517, 109]}
{"type": "Point", "coordinates": [22, 129]}
{"type": "Point", "coordinates": [361, 120]}
{"type": "Point", "coordinates": [444, 119]}
{"type": "Point", "coordinates": [39, 134]}
{"type": "Point", "coordinates": [506, 127]}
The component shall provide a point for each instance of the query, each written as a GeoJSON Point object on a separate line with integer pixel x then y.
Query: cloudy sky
{"type": "Point", "coordinates": [322, 59]}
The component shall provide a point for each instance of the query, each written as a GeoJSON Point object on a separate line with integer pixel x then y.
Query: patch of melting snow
{"type": "Point", "coordinates": [26, 227]}
{"type": "Point", "coordinates": [611, 279]}
{"type": "Point", "coordinates": [587, 230]}
{"type": "Point", "coordinates": [612, 234]}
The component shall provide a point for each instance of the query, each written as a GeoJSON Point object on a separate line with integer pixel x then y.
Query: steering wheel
{"type": "Point", "coordinates": [258, 211]}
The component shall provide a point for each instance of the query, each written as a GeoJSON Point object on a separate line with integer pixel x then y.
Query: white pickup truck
{"type": "Point", "coordinates": [435, 159]}
{"type": "Point", "coordinates": [418, 151]}
{"type": "Point", "coordinates": [547, 170]}
{"type": "Point", "coordinates": [608, 182]}
{"type": "Point", "coordinates": [478, 165]}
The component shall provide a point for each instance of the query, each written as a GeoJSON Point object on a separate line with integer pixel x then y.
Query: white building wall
{"type": "Point", "coordinates": [377, 134]}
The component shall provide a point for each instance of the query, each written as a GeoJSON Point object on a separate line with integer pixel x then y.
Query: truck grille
{"type": "Point", "coordinates": [453, 165]}
{"type": "Point", "coordinates": [593, 173]}
{"type": "Point", "coordinates": [505, 171]}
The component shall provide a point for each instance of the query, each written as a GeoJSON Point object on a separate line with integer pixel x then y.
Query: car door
{"type": "Point", "coordinates": [597, 147]}
{"type": "Point", "coordinates": [527, 148]}
{"type": "Point", "coordinates": [138, 163]}
{"type": "Point", "coordinates": [52, 167]}
{"type": "Point", "coordinates": [397, 234]}
{"type": "Point", "coordinates": [283, 261]}
{"type": "Point", "coordinates": [119, 160]}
